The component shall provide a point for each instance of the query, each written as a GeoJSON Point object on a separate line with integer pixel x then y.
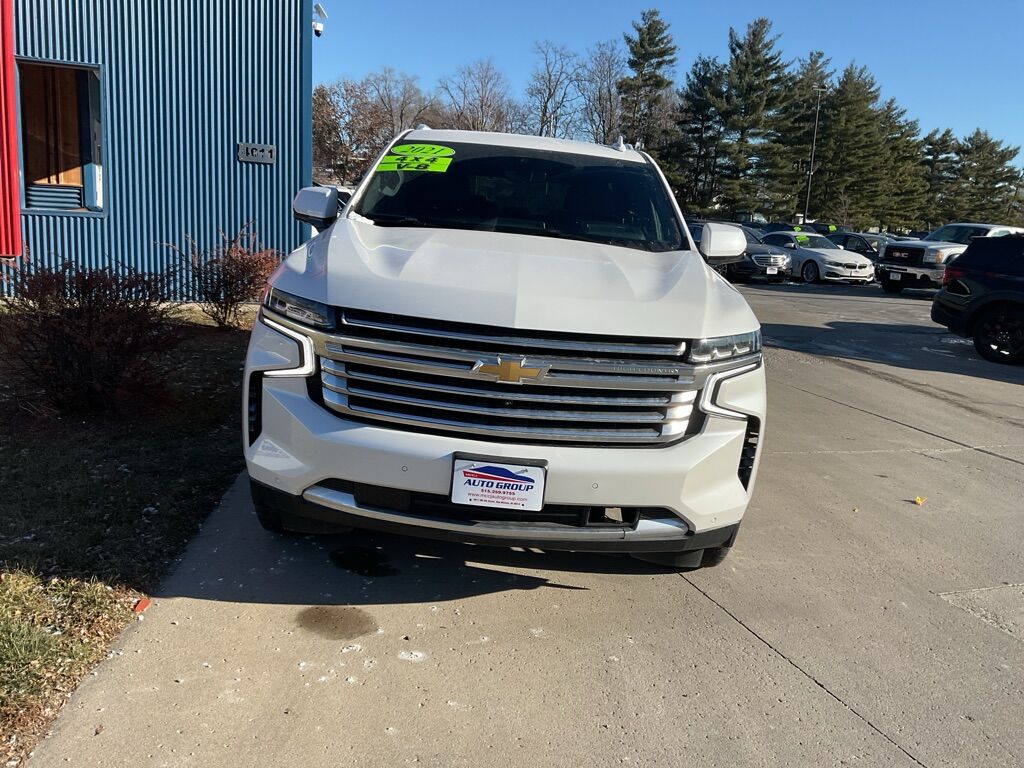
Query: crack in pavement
{"type": "Point", "coordinates": [965, 446]}
{"type": "Point", "coordinates": [922, 449]}
{"type": "Point", "coordinates": [805, 673]}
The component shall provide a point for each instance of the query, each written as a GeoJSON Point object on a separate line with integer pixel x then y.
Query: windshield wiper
{"type": "Point", "coordinates": [395, 220]}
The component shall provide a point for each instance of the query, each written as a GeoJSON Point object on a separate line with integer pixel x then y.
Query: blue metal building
{"type": "Point", "coordinates": [143, 122]}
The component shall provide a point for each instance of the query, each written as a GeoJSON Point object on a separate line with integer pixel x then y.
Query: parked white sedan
{"type": "Point", "coordinates": [817, 258]}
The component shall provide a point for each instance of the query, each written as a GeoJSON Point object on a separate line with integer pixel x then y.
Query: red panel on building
{"type": "Point", "coordinates": [10, 194]}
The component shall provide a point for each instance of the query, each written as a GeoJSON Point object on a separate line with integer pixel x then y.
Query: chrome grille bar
{"type": "Point", "coordinates": [333, 371]}
{"type": "Point", "coordinates": [598, 391]}
{"type": "Point", "coordinates": [457, 332]}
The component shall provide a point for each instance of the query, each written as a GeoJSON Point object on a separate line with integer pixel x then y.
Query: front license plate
{"type": "Point", "coordinates": [772, 270]}
{"type": "Point", "coordinates": [483, 483]}
{"type": "Point", "coordinates": [895, 276]}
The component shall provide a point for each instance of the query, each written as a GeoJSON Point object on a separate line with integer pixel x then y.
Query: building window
{"type": "Point", "coordinates": [60, 126]}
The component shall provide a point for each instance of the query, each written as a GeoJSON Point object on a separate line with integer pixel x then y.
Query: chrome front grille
{"type": "Point", "coordinates": [903, 255]}
{"type": "Point", "coordinates": [770, 260]}
{"type": "Point", "coordinates": [449, 378]}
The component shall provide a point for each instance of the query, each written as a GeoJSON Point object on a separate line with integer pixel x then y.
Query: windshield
{"type": "Point", "coordinates": [752, 238]}
{"type": "Point", "coordinates": [533, 192]}
{"type": "Point", "coordinates": [814, 241]}
{"type": "Point", "coordinates": [957, 233]}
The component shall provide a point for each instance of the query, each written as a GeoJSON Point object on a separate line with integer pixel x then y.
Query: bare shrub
{"type": "Point", "coordinates": [80, 337]}
{"type": "Point", "coordinates": [230, 275]}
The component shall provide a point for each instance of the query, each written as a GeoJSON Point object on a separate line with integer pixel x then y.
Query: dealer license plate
{"type": "Point", "coordinates": [895, 276]}
{"type": "Point", "coordinates": [772, 270]}
{"type": "Point", "coordinates": [482, 483]}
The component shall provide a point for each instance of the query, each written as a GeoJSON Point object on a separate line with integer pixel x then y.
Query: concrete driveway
{"type": "Point", "coordinates": [850, 626]}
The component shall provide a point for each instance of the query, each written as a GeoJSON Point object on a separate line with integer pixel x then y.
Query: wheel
{"type": "Point", "coordinates": [890, 286]}
{"type": "Point", "coordinates": [809, 272]}
{"type": "Point", "coordinates": [695, 558]}
{"type": "Point", "coordinates": [268, 513]}
{"type": "Point", "coordinates": [999, 334]}
{"type": "Point", "coordinates": [733, 276]}
{"type": "Point", "coordinates": [714, 556]}
{"type": "Point", "coordinates": [269, 518]}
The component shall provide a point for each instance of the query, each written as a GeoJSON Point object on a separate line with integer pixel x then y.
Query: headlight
{"type": "Point", "coordinates": [300, 310]}
{"type": "Point", "coordinates": [832, 263]}
{"type": "Point", "coordinates": [936, 255]}
{"type": "Point", "coordinates": [725, 347]}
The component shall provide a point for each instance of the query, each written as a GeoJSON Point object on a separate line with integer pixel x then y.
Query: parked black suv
{"type": "Point", "coordinates": [982, 297]}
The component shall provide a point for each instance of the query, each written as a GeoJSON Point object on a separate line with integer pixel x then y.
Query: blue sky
{"type": "Point", "coordinates": [950, 64]}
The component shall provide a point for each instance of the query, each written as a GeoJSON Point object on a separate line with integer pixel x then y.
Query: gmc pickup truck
{"type": "Point", "coordinates": [921, 263]}
{"type": "Point", "coordinates": [508, 340]}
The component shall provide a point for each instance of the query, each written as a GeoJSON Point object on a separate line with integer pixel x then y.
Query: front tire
{"type": "Point", "coordinates": [999, 335]}
{"type": "Point", "coordinates": [809, 272]}
{"type": "Point", "coordinates": [708, 557]}
{"type": "Point", "coordinates": [890, 286]}
{"type": "Point", "coordinates": [269, 514]}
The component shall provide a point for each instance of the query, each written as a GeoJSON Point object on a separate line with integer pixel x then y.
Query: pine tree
{"type": "Point", "coordinates": [694, 159]}
{"type": "Point", "coordinates": [757, 93]}
{"type": "Point", "coordinates": [848, 183]}
{"type": "Point", "coordinates": [986, 181]}
{"type": "Point", "coordinates": [940, 168]}
{"type": "Point", "coordinates": [903, 195]}
{"type": "Point", "coordinates": [652, 54]}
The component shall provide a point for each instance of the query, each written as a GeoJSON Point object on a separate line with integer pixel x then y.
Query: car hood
{"type": "Point", "coordinates": [755, 248]}
{"type": "Point", "coordinates": [515, 281]}
{"type": "Point", "coordinates": [838, 254]}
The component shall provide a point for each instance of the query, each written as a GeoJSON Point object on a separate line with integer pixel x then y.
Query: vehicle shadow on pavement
{"type": "Point", "coordinates": [870, 292]}
{"type": "Point", "coordinates": [914, 347]}
{"type": "Point", "coordinates": [233, 559]}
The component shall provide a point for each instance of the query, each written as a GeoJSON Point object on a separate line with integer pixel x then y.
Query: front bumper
{"type": "Point", "coordinates": [844, 275]}
{"type": "Point", "coordinates": [921, 276]}
{"type": "Point", "coordinates": [951, 312]}
{"type": "Point", "coordinates": [322, 510]}
{"type": "Point", "coordinates": [750, 269]}
{"type": "Point", "coordinates": [306, 453]}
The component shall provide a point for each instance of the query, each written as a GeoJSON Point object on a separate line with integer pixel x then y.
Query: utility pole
{"type": "Point", "coordinates": [818, 89]}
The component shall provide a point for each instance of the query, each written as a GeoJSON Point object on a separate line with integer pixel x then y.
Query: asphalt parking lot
{"type": "Point", "coordinates": [850, 626]}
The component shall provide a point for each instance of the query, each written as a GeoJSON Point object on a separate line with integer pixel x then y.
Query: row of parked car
{"type": "Point", "coordinates": [802, 254]}
{"type": "Point", "coordinates": [979, 269]}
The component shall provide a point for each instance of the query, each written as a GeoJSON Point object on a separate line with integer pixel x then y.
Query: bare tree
{"type": "Point", "coordinates": [328, 148]}
{"type": "Point", "coordinates": [602, 109]}
{"type": "Point", "coordinates": [401, 98]}
{"type": "Point", "coordinates": [476, 98]}
{"type": "Point", "coordinates": [552, 97]}
{"type": "Point", "coordinates": [366, 127]}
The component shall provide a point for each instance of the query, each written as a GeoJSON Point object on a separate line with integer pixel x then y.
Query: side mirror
{"type": "Point", "coordinates": [789, 244]}
{"type": "Point", "coordinates": [316, 205]}
{"type": "Point", "coordinates": [841, 247]}
{"type": "Point", "coordinates": [722, 244]}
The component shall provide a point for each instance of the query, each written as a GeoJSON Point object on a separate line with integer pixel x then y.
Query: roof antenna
{"type": "Point", "coordinates": [620, 144]}
{"type": "Point", "coordinates": [422, 127]}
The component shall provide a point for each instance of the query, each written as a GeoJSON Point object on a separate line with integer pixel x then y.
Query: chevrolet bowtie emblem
{"type": "Point", "coordinates": [509, 370]}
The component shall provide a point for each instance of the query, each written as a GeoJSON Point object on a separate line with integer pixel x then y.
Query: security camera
{"type": "Point", "coordinates": [318, 28]}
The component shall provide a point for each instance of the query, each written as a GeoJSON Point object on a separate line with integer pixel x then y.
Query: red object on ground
{"type": "Point", "coordinates": [142, 605]}
{"type": "Point", "coordinates": [10, 194]}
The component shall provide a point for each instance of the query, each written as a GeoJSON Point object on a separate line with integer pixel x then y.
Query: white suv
{"type": "Point", "coordinates": [508, 340]}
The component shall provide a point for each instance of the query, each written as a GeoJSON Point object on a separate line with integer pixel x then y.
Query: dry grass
{"type": "Point", "coordinates": [92, 512]}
